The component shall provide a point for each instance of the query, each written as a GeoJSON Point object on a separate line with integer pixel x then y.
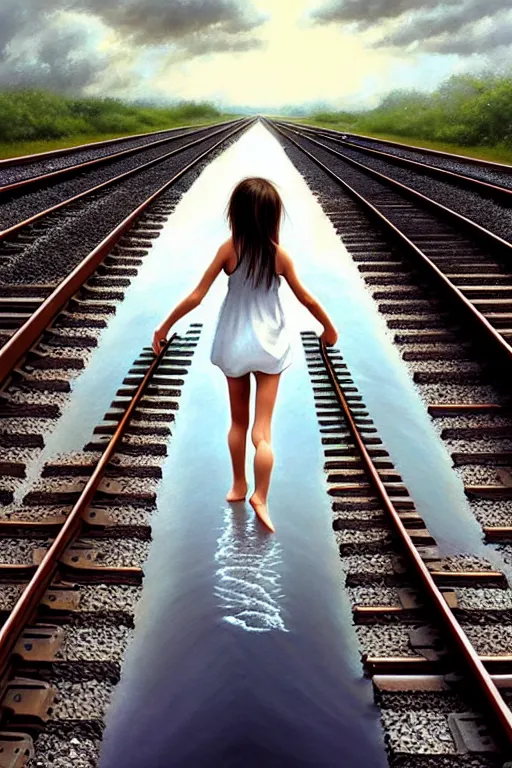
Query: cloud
{"type": "Point", "coordinates": [158, 21]}
{"type": "Point", "coordinates": [18, 17]}
{"type": "Point", "coordinates": [74, 45]}
{"type": "Point", "coordinates": [466, 43]}
{"type": "Point", "coordinates": [462, 27]}
{"type": "Point", "coordinates": [56, 55]}
{"type": "Point", "coordinates": [469, 28]}
{"type": "Point", "coordinates": [366, 13]}
{"type": "Point", "coordinates": [201, 44]}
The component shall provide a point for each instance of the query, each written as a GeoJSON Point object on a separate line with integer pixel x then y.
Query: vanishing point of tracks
{"type": "Point", "coordinates": [70, 581]}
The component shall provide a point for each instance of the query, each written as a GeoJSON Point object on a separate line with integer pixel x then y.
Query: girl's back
{"type": "Point", "coordinates": [251, 332]}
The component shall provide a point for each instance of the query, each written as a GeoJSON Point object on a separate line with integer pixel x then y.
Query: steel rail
{"type": "Point", "coordinates": [71, 170]}
{"type": "Point", "coordinates": [461, 641]}
{"type": "Point", "coordinates": [476, 230]}
{"type": "Point", "coordinates": [504, 167]}
{"type": "Point", "coordinates": [8, 162]}
{"type": "Point", "coordinates": [500, 345]}
{"type": "Point", "coordinates": [28, 334]}
{"type": "Point", "coordinates": [502, 194]}
{"type": "Point", "coordinates": [16, 228]}
{"type": "Point", "coordinates": [26, 606]}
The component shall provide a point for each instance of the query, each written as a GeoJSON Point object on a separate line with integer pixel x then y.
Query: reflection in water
{"type": "Point", "coordinates": [248, 580]}
{"type": "Point", "coordinates": [197, 690]}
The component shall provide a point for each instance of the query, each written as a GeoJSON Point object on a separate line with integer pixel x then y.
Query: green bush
{"type": "Point", "coordinates": [465, 110]}
{"type": "Point", "coordinates": [29, 115]}
{"type": "Point", "coordinates": [334, 117]}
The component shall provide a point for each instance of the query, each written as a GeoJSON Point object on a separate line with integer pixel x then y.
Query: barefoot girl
{"type": "Point", "coordinates": [251, 334]}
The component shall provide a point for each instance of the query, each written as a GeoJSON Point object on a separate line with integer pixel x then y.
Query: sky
{"type": "Point", "coordinates": [250, 53]}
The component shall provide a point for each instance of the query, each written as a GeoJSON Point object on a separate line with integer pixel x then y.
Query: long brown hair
{"type": "Point", "coordinates": [254, 214]}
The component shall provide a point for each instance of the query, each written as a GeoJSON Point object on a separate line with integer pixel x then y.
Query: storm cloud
{"type": "Point", "coordinates": [368, 12]}
{"type": "Point", "coordinates": [38, 51]}
{"type": "Point", "coordinates": [157, 21]}
{"type": "Point", "coordinates": [452, 26]}
{"type": "Point", "coordinates": [57, 43]}
{"type": "Point", "coordinates": [466, 44]}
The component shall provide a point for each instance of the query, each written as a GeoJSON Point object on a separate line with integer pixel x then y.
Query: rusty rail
{"type": "Point", "coordinates": [26, 607]}
{"type": "Point", "coordinates": [28, 334]}
{"type": "Point", "coordinates": [71, 170]}
{"type": "Point", "coordinates": [483, 235]}
{"type": "Point", "coordinates": [8, 162]}
{"type": "Point", "coordinates": [478, 672]}
{"type": "Point", "coordinates": [504, 167]}
{"type": "Point", "coordinates": [14, 229]}
{"type": "Point", "coordinates": [499, 193]}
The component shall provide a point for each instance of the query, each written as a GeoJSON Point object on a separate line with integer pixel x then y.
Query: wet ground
{"type": "Point", "coordinates": [244, 653]}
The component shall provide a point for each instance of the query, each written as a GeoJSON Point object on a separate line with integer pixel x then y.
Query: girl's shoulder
{"type": "Point", "coordinates": [283, 259]}
{"type": "Point", "coordinates": [227, 249]}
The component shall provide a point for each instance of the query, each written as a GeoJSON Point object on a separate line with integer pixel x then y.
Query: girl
{"type": "Point", "coordinates": [251, 334]}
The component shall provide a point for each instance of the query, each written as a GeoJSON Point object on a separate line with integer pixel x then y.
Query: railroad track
{"type": "Point", "coordinates": [417, 267]}
{"type": "Point", "coordinates": [446, 301]}
{"type": "Point", "coordinates": [40, 361]}
{"type": "Point", "coordinates": [80, 602]}
{"type": "Point", "coordinates": [70, 570]}
{"type": "Point", "coordinates": [459, 357]}
{"type": "Point", "coordinates": [467, 263]}
{"type": "Point", "coordinates": [69, 629]}
{"type": "Point", "coordinates": [45, 177]}
{"type": "Point", "coordinates": [14, 168]}
{"type": "Point", "coordinates": [27, 308]}
{"type": "Point", "coordinates": [424, 630]}
{"type": "Point", "coordinates": [485, 177]}
{"type": "Point", "coordinates": [456, 345]}
{"type": "Point", "coordinates": [416, 184]}
{"type": "Point", "coordinates": [471, 164]}
{"type": "Point", "coordinates": [38, 250]}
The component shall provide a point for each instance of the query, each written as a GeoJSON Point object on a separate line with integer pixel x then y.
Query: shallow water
{"type": "Point", "coordinates": [244, 653]}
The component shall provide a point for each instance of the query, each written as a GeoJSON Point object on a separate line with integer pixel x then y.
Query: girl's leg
{"type": "Point", "coordinates": [266, 391]}
{"type": "Point", "coordinates": [239, 391]}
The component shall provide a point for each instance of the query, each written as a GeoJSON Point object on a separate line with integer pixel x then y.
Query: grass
{"type": "Point", "coordinates": [34, 121]}
{"type": "Point", "coordinates": [495, 154]}
{"type": "Point", "coordinates": [17, 149]}
{"type": "Point", "coordinates": [467, 114]}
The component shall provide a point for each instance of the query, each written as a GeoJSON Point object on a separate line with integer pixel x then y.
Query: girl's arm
{"type": "Point", "coordinates": [330, 334]}
{"type": "Point", "coordinates": [193, 299]}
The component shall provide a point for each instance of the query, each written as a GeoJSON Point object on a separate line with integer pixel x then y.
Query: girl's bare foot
{"type": "Point", "coordinates": [261, 511]}
{"type": "Point", "coordinates": [237, 493]}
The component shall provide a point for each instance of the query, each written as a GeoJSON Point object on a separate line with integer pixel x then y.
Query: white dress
{"type": "Point", "coordinates": [251, 333]}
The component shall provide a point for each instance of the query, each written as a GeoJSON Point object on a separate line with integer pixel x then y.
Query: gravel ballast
{"type": "Point", "coordinates": [476, 171]}
{"type": "Point", "coordinates": [23, 206]}
{"type": "Point", "coordinates": [27, 170]}
{"type": "Point", "coordinates": [59, 249]}
{"type": "Point", "coordinates": [488, 213]}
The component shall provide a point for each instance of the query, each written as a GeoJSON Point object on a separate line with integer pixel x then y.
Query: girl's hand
{"type": "Point", "coordinates": [329, 336]}
{"type": "Point", "coordinates": [159, 337]}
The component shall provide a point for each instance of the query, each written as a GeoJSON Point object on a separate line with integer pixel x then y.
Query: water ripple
{"type": "Point", "coordinates": [248, 580]}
